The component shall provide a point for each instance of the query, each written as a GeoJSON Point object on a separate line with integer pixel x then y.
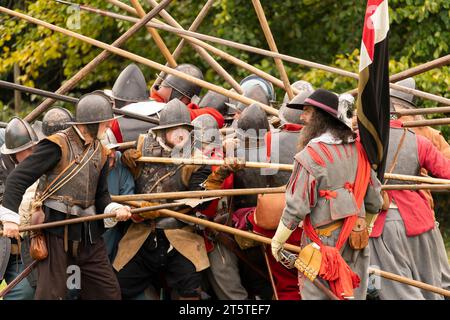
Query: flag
{"type": "Point", "coordinates": [373, 87]}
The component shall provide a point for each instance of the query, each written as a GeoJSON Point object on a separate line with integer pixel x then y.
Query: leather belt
{"type": "Point", "coordinates": [15, 249]}
{"type": "Point", "coordinates": [327, 230]}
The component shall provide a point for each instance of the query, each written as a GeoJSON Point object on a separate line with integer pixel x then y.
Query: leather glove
{"type": "Point", "coordinates": [233, 164]}
{"type": "Point", "coordinates": [129, 158]}
{"type": "Point", "coordinates": [147, 215]}
{"type": "Point", "coordinates": [216, 178]}
{"type": "Point", "coordinates": [309, 261]}
{"type": "Point", "coordinates": [279, 239]}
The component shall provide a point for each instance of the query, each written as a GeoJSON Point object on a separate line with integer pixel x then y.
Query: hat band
{"type": "Point", "coordinates": [321, 105]}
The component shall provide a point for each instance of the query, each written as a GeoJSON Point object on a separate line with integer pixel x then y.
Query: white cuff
{"type": "Point", "coordinates": [282, 233]}
{"type": "Point", "coordinates": [7, 215]}
{"type": "Point", "coordinates": [112, 206]}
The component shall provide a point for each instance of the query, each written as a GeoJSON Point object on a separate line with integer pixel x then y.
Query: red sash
{"type": "Point", "coordinates": [334, 269]}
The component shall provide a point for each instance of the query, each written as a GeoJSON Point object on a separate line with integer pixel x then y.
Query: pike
{"type": "Point", "coordinates": [277, 166]}
{"type": "Point", "coordinates": [196, 194]}
{"type": "Point", "coordinates": [156, 37]}
{"type": "Point", "coordinates": [18, 279]}
{"type": "Point", "coordinates": [142, 60]}
{"type": "Point", "coordinates": [102, 216]}
{"type": "Point", "coordinates": [223, 228]}
{"type": "Point", "coordinates": [69, 99]}
{"type": "Point", "coordinates": [197, 21]}
{"type": "Point", "coordinates": [273, 46]}
{"type": "Point", "coordinates": [402, 75]}
{"type": "Point", "coordinates": [421, 111]}
{"type": "Point", "coordinates": [423, 123]}
{"type": "Point", "coordinates": [213, 63]}
{"type": "Point", "coordinates": [213, 50]}
{"type": "Point", "coordinates": [81, 74]}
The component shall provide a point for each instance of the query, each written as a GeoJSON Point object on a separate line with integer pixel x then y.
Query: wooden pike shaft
{"type": "Point", "coordinates": [243, 192]}
{"type": "Point", "coordinates": [290, 247]}
{"type": "Point", "coordinates": [277, 166]}
{"type": "Point", "coordinates": [435, 187]}
{"type": "Point", "coordinates": [439, 62]}
{"type": "Point", "coordinates": [19, 278]}
{"type": "Point", "coordinates": [196, 194]}
{"type": "Point", "coordinates": [412, 112]}
{"type": "Point", "coordinates": [424, 123]}
{"type": "Point", "coordinates": [284, 57]}
{"type": "Point", "coordinates": [142, 60]}
{"type": "Point", "coordinates": [273, 46]}
{"type": "Point", "coordinates": [202, 52]}
{"type": "Point", "coordinates": [284, 167]}
{"type": "Point", "coordinates": [61, 97]}
{"type": "Point", "coordinates": [156, 37]}
{"type": "Point", "coordinates": [69, 84]}
{"type": "Point", "coordinates": [411, 282]}
{"type": "Point", "coordinates": [92, 218]}
{"type": "Point", "coordinates": [198, 20]}
{"type": "Point", "coordinates": [220, 53]}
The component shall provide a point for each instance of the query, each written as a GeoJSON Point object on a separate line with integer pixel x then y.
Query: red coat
{"type": "Point", "coordinates": [413, 205]}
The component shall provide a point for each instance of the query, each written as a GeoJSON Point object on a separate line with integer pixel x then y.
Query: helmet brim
{"type": "Point", "coordinates": [92, 122]}
{"type": "Point", "coordinates": [6, 150]}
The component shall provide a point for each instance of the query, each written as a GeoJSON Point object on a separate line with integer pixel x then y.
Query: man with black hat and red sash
{"type": "Point", "coordinates": [329, 191]}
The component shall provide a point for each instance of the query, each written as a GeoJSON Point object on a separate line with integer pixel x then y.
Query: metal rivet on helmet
{"type": "Point", "coordinates": [19, 136]}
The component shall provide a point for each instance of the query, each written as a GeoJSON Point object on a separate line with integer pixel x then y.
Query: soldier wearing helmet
{"type": "Point", "coordinates": [75, 161]}
{"type": "Point", "coordinates": [166, 244]}
{"type": "Point", "coordinates": [20, 139]}
{"type": "Point", "coordinates": [174, 87]}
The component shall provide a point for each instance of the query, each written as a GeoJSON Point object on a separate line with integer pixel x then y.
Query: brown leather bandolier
{"type": "Point", "coordinates": [78, 165]}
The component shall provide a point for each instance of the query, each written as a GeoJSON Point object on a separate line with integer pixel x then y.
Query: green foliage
{"type": "Point", "coordinates": [324, 31]}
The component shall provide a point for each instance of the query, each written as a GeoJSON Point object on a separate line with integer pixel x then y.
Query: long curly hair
{"type": "Point", "coordinates": [320, 123]}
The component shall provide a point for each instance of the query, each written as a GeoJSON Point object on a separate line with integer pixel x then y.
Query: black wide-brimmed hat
{"type": "Point", "coordinates": [322, 99]}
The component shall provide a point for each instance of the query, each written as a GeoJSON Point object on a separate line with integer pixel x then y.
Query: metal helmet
{"type": "Point", "coordinates": [109, 140]}
{"type": "Point", "coordinates": [253, 119]}
{"type": "Point", "coordinates": [289, 114]}
{"type": "Point", "coordinates": [206, 129]}
{"type": "Point", "coordinates": [130, 85]}
{"type": "Point", "coordinates": [300, 85]}
{"type": "Point", "coordinates": [216, 101]}
{"type": "Point", "coordinates": [407, 97]}
{"type": "Point", "coordinates": [19, 136]}
{"type": "Point", "coordinates": [184, 87]}
{"type": "Point", "coordinates": [56, 119]}
{"type": "Point", "coordinates": [174, 114]}
{"type": "Point", "coordinates": [255, 92]}
{"type": "Point", "coordinates": [94, 107]}
{"type": "Point", "coordinates": [253, 79]}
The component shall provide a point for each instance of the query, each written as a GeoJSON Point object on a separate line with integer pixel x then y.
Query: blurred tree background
{"type": "Point", "coordinates": [324, 31]}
